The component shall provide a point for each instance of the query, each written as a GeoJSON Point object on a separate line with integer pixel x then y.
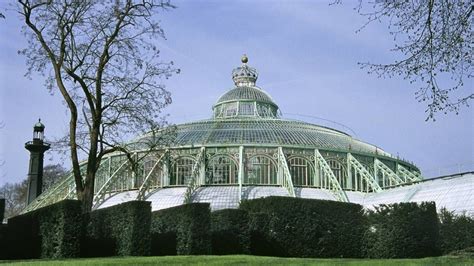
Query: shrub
{"type": "Point", "coordinates": [403, 230]}
{"type": "Point", "coordinates": [2, 210]}
{"type": "Point", "coordinates": [4, 242]}
{"type": "Point", "coordinates": [122, 230]}
{"type": "Point", "coordinates": [298, 227]}
{"type": "Point", "coordinates": [230, 232]}
{"type": "Point", "coordinates": [456, 231]}
{"type": "Point", "coordinates": [50, 232]}
{"type": "Point", "coordinates": [182, 230]}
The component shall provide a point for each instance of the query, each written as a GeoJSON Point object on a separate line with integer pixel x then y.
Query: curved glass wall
{"type": "Point", "coordinates": [301, 170]}
{"type": "Point", "coordinates": [245, 109]}
{"type": "Point", "coordinates": [260, 170]}
{"type": "Point", "coordinates": [154, 174]}
{"type": "Point", "coordinates": [181, 171]}
{"type": "Point", "coordinates": [339, 172]}
{"type": "Point", "coordinates": [221, 170]}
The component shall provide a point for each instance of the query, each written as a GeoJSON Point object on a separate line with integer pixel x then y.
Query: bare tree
{"type": "Point", "coordinates": [51, 174]}
{"type": "Point", "coordinates": [101, 56]}
{"type": "Point", "coordinates": [15, 197]}
{"type": "Point", "coordinates": [435, 40]}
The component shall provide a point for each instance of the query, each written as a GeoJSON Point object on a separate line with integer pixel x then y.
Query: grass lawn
{"type": "Point", "coordinates": [243, 260]}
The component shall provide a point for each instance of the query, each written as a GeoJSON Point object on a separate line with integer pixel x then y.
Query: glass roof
{"type": "Point", "coordinates": [246, 115]}
{"type": "Point", "coordinates": [245, 94]}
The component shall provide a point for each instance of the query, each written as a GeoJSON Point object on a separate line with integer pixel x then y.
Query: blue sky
{"type": "Point", "coordinates": [306, 53]}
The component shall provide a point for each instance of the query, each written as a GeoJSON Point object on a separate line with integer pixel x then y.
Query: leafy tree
{"type": "Point", "coordinates": [435, 39]}
{"type": "Point", "coordinates": [101, 56]}
{"type": "Point", "coordinates": [456, 231]}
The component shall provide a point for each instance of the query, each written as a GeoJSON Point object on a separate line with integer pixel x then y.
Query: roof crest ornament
{"type": "Point", "coordinates": [244, 75]}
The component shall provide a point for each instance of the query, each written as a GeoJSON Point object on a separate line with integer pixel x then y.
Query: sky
{"type": "Point", "coordinates": [306, 53]}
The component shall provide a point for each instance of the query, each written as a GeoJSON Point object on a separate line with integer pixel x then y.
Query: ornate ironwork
{"type": "Point", "coordinates": [284, 176]}
{"type": "Point", "coordinates": [197, 176]}
{"type": "Point", "coordinates": [360, 169]}
{"type": "Point", "coordinates": [329, 177]}
{"type": "Point", "coordinates": [387, 173]}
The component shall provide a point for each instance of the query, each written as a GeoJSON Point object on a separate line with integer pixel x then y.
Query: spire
{"type": "Point", "coordinates": [244, 75]}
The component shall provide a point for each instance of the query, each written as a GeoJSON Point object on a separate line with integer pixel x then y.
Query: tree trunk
{"type": "Point", "coordinates": [87, 195]}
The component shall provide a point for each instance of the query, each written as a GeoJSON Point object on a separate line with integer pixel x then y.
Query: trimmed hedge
{"type": "Point", "coordinates": [2, 210]}
{"type": "Point", "coordinates": [456, 231]}
{"type": "Point", "coordinates": [4, 245]}
{"type": "Point", "coordinates": [50, 232]}
{"type": "Point", "coordinates": [403, 230]}
{"type": "Point", "coordinates": [230, 232]}
{"type": "Point", "coordinates": [182, 230]}
{"type": "Point", "coordinates": [121, 230]}
{"type": "Point", "coordinates": [296, 227]}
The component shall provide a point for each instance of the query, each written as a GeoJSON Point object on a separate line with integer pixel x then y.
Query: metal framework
{"type": "Point", "coordinates": [284, 176]}
{"type": "Point", "coordinates": [407, 175]}
{"type": "Point", "coordinates": [327, 176]}
{"type": "Point", "coordinates": [100, 195]}
{"type": "Point", "coordinates": [142, 191]}
{"type": "Point", "coordinates": [360, 170]}
{"type": "Point", "coordinates": [260, 149]}
{"type": "Point", "coordinates": [387, 174]}
{"type": "Point", "coordinates": [241, 170]}
{"type": "Point", "coordinates": [197, 176]}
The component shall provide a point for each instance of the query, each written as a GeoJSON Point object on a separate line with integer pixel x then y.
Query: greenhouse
{"type": "Point", "coordinates": [246, 150]}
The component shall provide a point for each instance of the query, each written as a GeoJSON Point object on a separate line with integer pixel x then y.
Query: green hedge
{"type": "Point", "coordinates": [121, 230]}
{"type": "Point", "coordinates": [403, 230]}
{"type": "Point", "coordinates": [182, 230]}
{"type": "Point", "coordinates": [456, 231]}
{"type": "Point", "coordinates": [2, 210]}
{"type": "Point", "coordinates": [283, 226]}
{"type": "Point", "coordinates": [50, 232]}
{"type": "Point", "coordinates": [230, 232]}
{"type": "Point", "coordinates": [4, 245]}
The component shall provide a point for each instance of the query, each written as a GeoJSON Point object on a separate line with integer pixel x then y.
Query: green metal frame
{"type": "Point", "coordinates": [241, 171]}
{"type": "Point", "coordinates": [359, 168]}
{"type": "Point", "coordinates": [326, 171]}
{"type": "Point", "coordinates": [387, 173]}
{"type": "Point", "coordinates": [142, 191]}
{"type": "Point", "coordinates": [407, 175]}
{"type": "Point", "coordinates": [283, 173]}
{"type": "Point", "coordinates": [197, 176]}
{"type": "Point", "coordinates": [100, 195]}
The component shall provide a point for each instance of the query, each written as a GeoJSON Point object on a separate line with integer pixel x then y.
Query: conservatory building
{"type": "Point", "coordinates": [248, 150]}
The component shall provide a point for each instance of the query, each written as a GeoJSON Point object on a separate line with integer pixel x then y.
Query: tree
{"type": "Point", "coordinates": [101, 57]}
{"type": "Point", "coordinates": [435, 39]}
{"type": "Point", "coordinates": [51, 174]}
{"type": "Point", "coordinates": [456, 231]}
{"type": "Point", "coordinates": [15, 193]}
{"type": "Point", "coordinates": [15, 197]}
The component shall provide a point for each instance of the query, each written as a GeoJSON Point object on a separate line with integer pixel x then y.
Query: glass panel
{"type": "Point", "coordinates": [260, 170]}
{"type": "Point", "coordinates": [181, 171]}
{"type": "Point", "coordinates": [301, 172]}
{"type": "Point", "coordinates": [221, 170]}
{"type": "Point", "coordinates": [246, 108]}
{"type": "Point", "coordinates": [339, 172]}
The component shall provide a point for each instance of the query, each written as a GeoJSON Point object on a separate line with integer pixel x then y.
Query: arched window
{"type": "Point", "coordinates": [260, 170]}
{"type": "Point", "coordinates": [301, 171]}
{"type": "Point", "coordinates": [339, 172]}
{"type": "Point", "coordinates": [154, 178]}
{"type": "Point", "coordinates": [181, 171]}
{"type": "Point", "coordinates": [221, 170]}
